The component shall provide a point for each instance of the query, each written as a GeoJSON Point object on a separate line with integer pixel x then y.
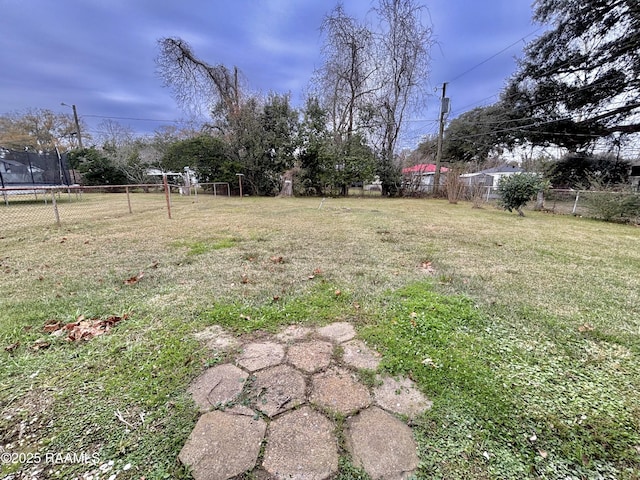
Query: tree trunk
{"type": "Point", "coordinates": [539, 201]}
{"type": "Point", "coordinates": [287, 183]}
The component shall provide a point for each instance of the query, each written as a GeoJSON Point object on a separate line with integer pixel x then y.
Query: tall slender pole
{"type": "Point", "coordinates": [75, 118]}
{"type": "Point", "coordinates": [436, 177]}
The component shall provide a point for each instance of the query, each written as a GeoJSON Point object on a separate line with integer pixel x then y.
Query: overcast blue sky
{"type": "Point", "coordinates": [99, 54]}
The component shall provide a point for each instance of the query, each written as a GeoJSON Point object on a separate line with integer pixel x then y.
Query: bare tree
{"type": "Point", "coordinates": [195, 83]}
{"type": "Point", "coordinates": [344, 82]}
{"type": "Point", "coordinates": [371, 80]}
{"type": "Point", "coordinates": [403, 56]}
{"type": "Point", "coordinates": [37, 129]}
{"type": "Point", "coordinates": [113, 134]}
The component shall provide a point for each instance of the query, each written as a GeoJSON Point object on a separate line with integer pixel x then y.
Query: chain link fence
{"type": "Point", "coordinates": [23, 207]}
{"type": "Point", "coordinates": [621, 206]}
{"type": "Point", "coordinates": [42, 206]}
{"type": "Point", "coordinates": [605, 205]}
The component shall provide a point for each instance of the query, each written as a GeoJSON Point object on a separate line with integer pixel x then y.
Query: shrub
{"type": "Point", "coordinates": [610, 205]}
{"type": "Point", "coordinates": [453, 183]}
{"type": "Point", "coordinates": [516, 190]}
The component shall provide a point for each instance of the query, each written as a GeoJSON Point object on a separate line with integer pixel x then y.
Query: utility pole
{"type": "Point", "coordinates": [75, 118]}
{"type": "Point", "coordinates": [444, 110]}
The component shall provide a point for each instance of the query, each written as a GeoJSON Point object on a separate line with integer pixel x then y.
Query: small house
{"type": "Point", "coordinates": [489, 177]}
{"type": "Point", "coordinates": [420, 178]}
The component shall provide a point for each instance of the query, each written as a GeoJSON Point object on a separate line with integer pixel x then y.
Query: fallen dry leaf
{"type": "Point", "coordinates": [316, 271]}
{"type": "Point", "coordinates": [135, 279]}
{"type": "Point", "coordinates": [87, 329]}
{"type": "Point", "coordinates": [277, 259]}
{"type": "Point", "coordinates": [52, 327]}
{"type": "Point", "coordinates": [12, 347]}
{"type": "Point", "coordinates": [40, 345]}
{"type": "Point", "coordinates": [587, 327]}
{"type": "Point", "coordinates": [83, 329]}
{"type": "Point", "coordinates": [543, 454]}
{"type": "Point", "coordinates": [427, 267]}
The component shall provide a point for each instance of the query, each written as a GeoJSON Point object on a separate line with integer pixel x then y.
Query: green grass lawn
{"type": "Point", "coordinates": [523, 331]}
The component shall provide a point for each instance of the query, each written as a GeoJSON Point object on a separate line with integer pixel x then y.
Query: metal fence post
{"type": "Point", "coordinates": [55, 207]}
{"type": "Point", "coordinates": [575, 204]}
{"type": "Point", "coordinates": [166, 194]}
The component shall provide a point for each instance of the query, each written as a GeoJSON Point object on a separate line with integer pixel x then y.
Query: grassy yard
{"type": "Point", "coordinates": [525, 332]}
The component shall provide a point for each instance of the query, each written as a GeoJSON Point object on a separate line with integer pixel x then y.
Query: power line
{"type": "Point", "coordinates": [136, 119]}
{"type": "Point", "coordinates": [496, 54]}
{"type": "Point", "coordinates": [552, 70]}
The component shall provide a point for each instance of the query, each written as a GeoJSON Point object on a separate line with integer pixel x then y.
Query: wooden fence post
{"type": "Point", "coordinates": [128, 199]}
{"type": "Point", "coordinates": [166, 194]}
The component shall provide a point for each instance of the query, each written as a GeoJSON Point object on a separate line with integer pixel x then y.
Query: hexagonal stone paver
{"type": "Point", "coordinates": [223, 445]}
{"type": "Point", "coordinates": [217, 385]}
{"type": "Point", "coordinates": [310, 356]}
{"type": "Point", "coordinates": [401, 396]}
{"type": "Point", "coordinates": [301, 446]}
{"type": "Point", "coordinates": [381, 444]}
{"type": "Point", "coordinates": [293, 333]}
{"type": "Point", "coordinates": [358, 355]}
{"type": "Point", "coordinates": [256, 356]}
{"type": "Point", "coordinates": [337, 332]}
{"type": "Point", "coordinates": [278, 389]}
{"type": "Point", "coordinates": [338, 390]}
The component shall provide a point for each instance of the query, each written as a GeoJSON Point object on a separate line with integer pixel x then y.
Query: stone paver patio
{"type": "Point", "coordinates": [281, 398]}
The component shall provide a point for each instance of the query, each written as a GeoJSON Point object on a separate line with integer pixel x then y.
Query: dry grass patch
{"type": "Point", "coordinates": [530, 286]}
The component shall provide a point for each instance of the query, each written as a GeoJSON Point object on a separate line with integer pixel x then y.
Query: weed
{"type": "Point", "coordinates": [347, 471]}
{"type": "Point", "coordinates": [369, 378]}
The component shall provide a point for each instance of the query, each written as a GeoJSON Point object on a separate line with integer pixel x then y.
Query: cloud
{"type": "Point", "coordinates": [100, 54]}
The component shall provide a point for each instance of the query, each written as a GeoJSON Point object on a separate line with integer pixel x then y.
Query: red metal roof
{"type": "Point", "coordinates": [423, 168]}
